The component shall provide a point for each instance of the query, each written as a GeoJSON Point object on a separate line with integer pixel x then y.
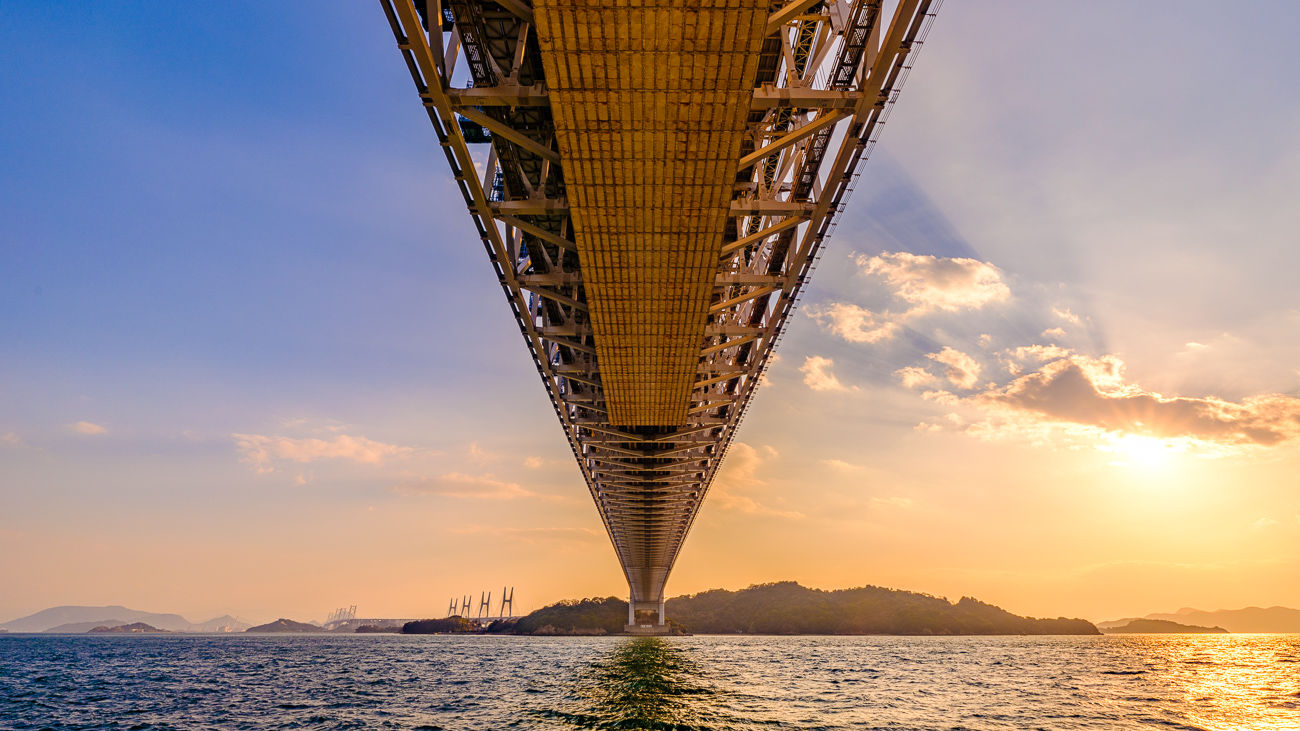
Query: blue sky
{"type": "Point", "coordinates": [228, 228]}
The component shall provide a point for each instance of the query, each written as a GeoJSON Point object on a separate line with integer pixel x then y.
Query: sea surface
{"type": "Point", "coordinates": [487, 682]}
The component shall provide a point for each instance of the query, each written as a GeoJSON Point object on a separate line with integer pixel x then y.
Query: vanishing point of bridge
{"type": "Point", "coordinates": [660, 177]}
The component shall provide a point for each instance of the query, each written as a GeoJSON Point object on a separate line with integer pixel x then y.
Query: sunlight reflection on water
{"type": "Point", "coordinates": [1211, 682]}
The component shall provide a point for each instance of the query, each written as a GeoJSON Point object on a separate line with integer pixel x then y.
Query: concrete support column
{"type": "Point", "coordinates": [633, 628]}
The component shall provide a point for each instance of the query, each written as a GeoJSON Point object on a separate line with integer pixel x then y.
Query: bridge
{"type": "Point", "coordinates": [654, 182]}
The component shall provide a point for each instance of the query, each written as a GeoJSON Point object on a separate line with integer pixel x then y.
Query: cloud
{"type": "Point", "coordinates": [739, 474]}
{"type": "Point", "coordinates": [1039, 353]}
{"type": "Point", "coordinates": [914, 376]}
{"type": "Point", "coordinates": [1066, 315]}
{"type": "Point", "coordinates": [85, 427]}
{"type": "Point", "coordinates": [534, 536]}
{"type": "Point", "coordinates": [963, 371]}
{"type": "Point", "coordinates": [480, 455]}
{"type": "Point", "coordinates": [891, 502]}
{"type": "Point", "coordinates": [1263, 523]}
{"type": "Point", "coordinates": [552, 535]}
{"type": "Point", "coordinates": [853, 323]}
{"type": "Point", "coordinates": [1078, 390]}
{"type": "Point", "coordinates": [924, 284]}
{"type": "Point", "coordinates": [1054, 332]}
{"type": "Point", "coordinates": [12, 439]}
{"type": "Point", "coordinates": [765, 379]}
{"type": "Point", "coordinates": [471, 487]}
{"type": "Point", "coordinates": [261, 451]}
{"type": "Point", "coordinates": [742, 465]}
{"type": "Point", "coordinates": [817, 374]}
{"type": "Point", "coordinates": [938, 283]}
{"type": "Point", "coordinates": [533, 463]}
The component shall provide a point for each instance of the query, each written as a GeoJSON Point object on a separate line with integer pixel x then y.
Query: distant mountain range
{"type": "Point", "coordinates": [79, 620]}
{"type": "Point", "coordinates": [1250, 619]}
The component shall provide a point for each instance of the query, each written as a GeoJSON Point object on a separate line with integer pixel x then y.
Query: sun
{"type": "Point", "coordinates": [1145, 451]}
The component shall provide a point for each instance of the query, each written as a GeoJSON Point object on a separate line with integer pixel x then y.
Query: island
{"type": "Point", "coordinates": [1160, 626]}
{"type": "Point", "coordinates": [285, 625]}
{"type": "Point", "coordinates": [782, 608]}
{"type": "Point", "coordinates": [133, 628]}
{"type": "Point", "coordinates": [371, 629]}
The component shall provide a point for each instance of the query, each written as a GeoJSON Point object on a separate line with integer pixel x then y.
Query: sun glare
{"type": "Point", "coordinates": [1144, 451]}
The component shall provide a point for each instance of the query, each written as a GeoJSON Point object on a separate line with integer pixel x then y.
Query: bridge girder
{"type": "Point", "coordinates": [825, 75]}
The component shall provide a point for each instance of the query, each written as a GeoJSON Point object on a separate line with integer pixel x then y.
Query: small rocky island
{"type": "Point", "coordinates": [133, 628]}
{"type": "Point", "coordinates": [1160, 626]}
{"type": "Point", "coordinates": [285, 625]}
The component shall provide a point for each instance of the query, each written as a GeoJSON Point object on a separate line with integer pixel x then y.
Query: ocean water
{"type": "Point", "coordinates": [481, 682]}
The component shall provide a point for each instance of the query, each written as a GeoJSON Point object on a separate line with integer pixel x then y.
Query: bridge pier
{"type": "Point", "coordinates": [634, 628]}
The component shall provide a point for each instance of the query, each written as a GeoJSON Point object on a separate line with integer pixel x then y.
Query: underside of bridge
{"type": "Point", "coordinates": [660, 177]}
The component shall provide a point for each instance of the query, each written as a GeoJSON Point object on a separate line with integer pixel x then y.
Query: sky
{"type": "Point", "coordinates": [253, 359]}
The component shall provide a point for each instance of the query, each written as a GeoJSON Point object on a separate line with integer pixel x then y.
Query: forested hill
{"type": "Point", "coordinates": [787, 608]}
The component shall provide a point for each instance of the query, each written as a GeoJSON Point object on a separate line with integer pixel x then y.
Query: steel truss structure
{"type": "Point", "coordinates": [826, 77]}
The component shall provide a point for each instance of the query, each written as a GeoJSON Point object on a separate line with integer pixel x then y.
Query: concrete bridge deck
{"type": "Point", "coordinates": [660, 178]}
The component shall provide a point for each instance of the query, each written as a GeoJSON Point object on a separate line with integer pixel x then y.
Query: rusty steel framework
{"type": "Point", "coordinates": [819, 79]}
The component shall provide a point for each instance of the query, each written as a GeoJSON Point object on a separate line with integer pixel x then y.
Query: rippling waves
{"type": "Point", "coordinates": [1208, 682]}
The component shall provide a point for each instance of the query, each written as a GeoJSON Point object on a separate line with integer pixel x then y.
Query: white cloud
{"type": "Point", "coordinates": [923, 283]}
{"type": "Point", "coordinates": [914, 376]}
{"type": "Point", "coordinates": [1066, 315]}
{"type": "Point", "coordinates": [1054, 332]}
{"type": "Point", "coordinates": [963, 371]}
{"type": "Point", "coordinates": [938, 283]}
{"type": "Point", "coordinates": [85, 427]}
{"type": "Point", "coordinates": [1263, 523]}
{"type": "Point", "coordinates": [1039, 353]}
{"type": "Point", "coordinates": [853, 323]}
{"type": "Point", "coordinates": [533, 463]}
{"type": "Point", "coordinates": [262, 451]}
{"type": "Point", "coordinates": [456, 485]}
{"type": "Point", "coordinates": [817, 374]}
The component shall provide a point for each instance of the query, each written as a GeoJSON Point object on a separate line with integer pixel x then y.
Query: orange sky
{"type": "Point", "coordinates": [1050, 359]}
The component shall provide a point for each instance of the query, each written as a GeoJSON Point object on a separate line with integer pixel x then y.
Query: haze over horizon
{"type": "Point", "coordinates": [255, 361]}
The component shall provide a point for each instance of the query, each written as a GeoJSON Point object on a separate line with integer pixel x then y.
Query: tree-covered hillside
{"type": "Point", "coordinates": [786, 608]}
{"type": "Point", "coordinates": [576, 616]}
